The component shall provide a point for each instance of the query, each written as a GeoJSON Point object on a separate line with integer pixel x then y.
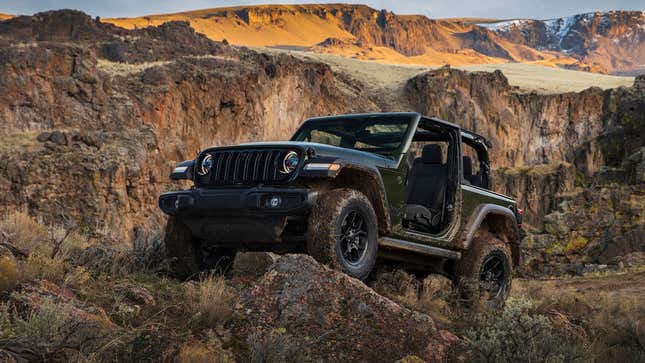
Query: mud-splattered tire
{"type": "Point", "coordinates": [485, 271]}
{"type": "Point", "coordinates": [182, 249]}
{"type": "Point", "coordinates": [343, 232]}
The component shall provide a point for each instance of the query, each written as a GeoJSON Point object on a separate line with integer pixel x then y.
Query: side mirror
{"type": "Point", "coordinates": [183, 170]}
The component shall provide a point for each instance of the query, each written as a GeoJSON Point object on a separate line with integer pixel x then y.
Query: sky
{"type": "Point", "coordinates": [499, 9]}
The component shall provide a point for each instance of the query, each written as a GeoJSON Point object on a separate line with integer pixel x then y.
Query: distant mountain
{"type": "Point", "coordinates": [352, 30]}
{"type": "Point", "coordinates": [613, 40]}
{"type": "Point", "coordinates": [601, 42]}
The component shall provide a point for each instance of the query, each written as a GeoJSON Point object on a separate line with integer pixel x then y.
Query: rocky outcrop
{"type": "Point", "coordinates": [537, 189]}
{"type": "Point", "coordinates": [301, 306]}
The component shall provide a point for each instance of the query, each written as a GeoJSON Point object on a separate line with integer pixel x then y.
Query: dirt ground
{"type": "Point", "coordinates": [615, 285]}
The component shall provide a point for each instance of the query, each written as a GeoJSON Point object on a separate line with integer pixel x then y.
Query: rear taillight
{"type": "Point", "coordinates": [519, 217]}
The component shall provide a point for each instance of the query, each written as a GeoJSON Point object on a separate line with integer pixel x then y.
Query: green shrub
{"type": "Point", "coordinates": [6, 328]}
{"type": "Point", "coordinates": [518, 334]}
{"type": "Point", "coordinates": [46, 325]}
{"type": "Point", "coordinates": [273, 347]}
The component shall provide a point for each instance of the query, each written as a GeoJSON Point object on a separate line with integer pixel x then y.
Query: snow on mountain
{"type": "Point", "coordinates": [611, 40]}
{"type": "Point", "coordinates": [566, 34]}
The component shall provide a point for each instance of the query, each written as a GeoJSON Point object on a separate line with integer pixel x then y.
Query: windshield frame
{"type": "Point", "coordinates": [411, 118]}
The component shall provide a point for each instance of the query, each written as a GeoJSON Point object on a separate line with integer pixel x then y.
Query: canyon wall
{"type": "Point", "coordinates": [94, 140]}
{"type": "Point", "coordinates": [575, 162]}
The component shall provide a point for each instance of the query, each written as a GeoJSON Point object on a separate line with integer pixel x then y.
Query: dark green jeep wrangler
{"type": "Point", "coordinates": [347, 189]}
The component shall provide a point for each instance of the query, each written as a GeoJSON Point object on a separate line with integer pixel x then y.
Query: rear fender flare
{"type": "Point", "coordinates": [506, 223]}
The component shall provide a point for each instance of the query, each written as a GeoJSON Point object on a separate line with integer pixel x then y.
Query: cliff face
{"type": "Point", "coordinates": [409, 35]}
{"type": "Point", "coordinates": [526, 128]}
{"type": "Point", "coordinates": [573, 161]}
{"type": "Point", "coordinates": [94, 140]}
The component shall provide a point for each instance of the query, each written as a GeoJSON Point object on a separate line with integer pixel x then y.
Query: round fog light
{"type": "Point", "coordinates": [275, 201]}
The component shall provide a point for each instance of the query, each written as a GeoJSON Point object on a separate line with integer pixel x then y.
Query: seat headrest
{"type": "Point", "coordinates": [468, 166]}
{"type": "Point", "coordinates": [432, 154]}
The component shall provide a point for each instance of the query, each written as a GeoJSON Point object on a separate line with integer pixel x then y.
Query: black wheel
{"type": "Point", "coordinates": [182, 249]}
{"type": "Point", "coordinates": [343, 232]}
{"type": "Point", "coordinates": [485, 271]}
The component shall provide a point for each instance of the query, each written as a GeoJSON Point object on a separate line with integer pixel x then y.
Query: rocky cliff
{"type": "Point", "coordinates": [94, 117]}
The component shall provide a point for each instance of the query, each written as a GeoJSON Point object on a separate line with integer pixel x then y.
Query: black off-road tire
{"type": "Point", "coordinates": [326, 221]}
{"type": "Point", "coordinates": [483, 251]}
{"type": "Point", "coordinates": [182, 249]}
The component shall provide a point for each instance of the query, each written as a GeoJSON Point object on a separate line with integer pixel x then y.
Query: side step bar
{"type": "Point", "coordinates": [418, 248]}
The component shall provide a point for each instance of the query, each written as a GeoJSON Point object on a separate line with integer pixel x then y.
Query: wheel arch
{"type": "Point", "coordinates": [368, 182]}
{"type": "Point", "coordinates": [498, 220]}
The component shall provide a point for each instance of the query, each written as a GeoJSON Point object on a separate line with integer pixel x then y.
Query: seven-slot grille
{"type": "Point", "coordinates": [232, 167]}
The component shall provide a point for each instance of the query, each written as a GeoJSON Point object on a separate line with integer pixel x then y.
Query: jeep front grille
{"type": "Point", "coordinates": [237, 167]}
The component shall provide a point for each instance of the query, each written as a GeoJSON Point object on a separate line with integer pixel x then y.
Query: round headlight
{"type": "Point", "coordinates": [290, 162]}
{"type": "Point", "coordinates": [206, 165]}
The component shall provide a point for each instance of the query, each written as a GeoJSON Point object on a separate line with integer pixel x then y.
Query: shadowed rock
{"type": "Point", "coordinates": [333, 317]}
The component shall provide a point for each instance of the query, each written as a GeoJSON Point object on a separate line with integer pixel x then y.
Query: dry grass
{"type": "Point", "coordinates": [533, 77]}
{"type": "Point", "coordinates": [124, 69]}
{"type": "Point", "coordinates": [45, 325]}
{"type": "Point", "coordinates": [298, 29]}
{"type": "Point", "coordinates": [23, 232]}
{"type": "Point", "coordinates": [607, 307]}
{"type": "Point", "coordinates": [211, 351]}
{"type": "Point", "coordinates": [10, 274]}
{"type": "Point", "coordinates": [195, 353]}
{"type": "Point", "coordinates": [431, 296]}
{"type": "Point", "coordinates": [597, 317]}
{"type": "Point", "coordinates": [211, 299]}
{"type": "Point", "coordinates": [48, 249]}
{"type": "Point", "coordinates": [294, 29]}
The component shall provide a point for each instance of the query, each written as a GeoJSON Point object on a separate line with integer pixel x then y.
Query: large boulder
{"type": "Point", "coordinates": [305, 308]}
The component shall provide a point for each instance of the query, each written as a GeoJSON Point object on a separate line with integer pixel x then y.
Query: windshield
{"type": "Point", "coordinates": [381, 135]}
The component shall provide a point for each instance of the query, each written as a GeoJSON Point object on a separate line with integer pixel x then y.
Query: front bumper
{"type": "Point", "coordinates": [241, 217]}
{"type": "Point", "coordinates": [252, 202]}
